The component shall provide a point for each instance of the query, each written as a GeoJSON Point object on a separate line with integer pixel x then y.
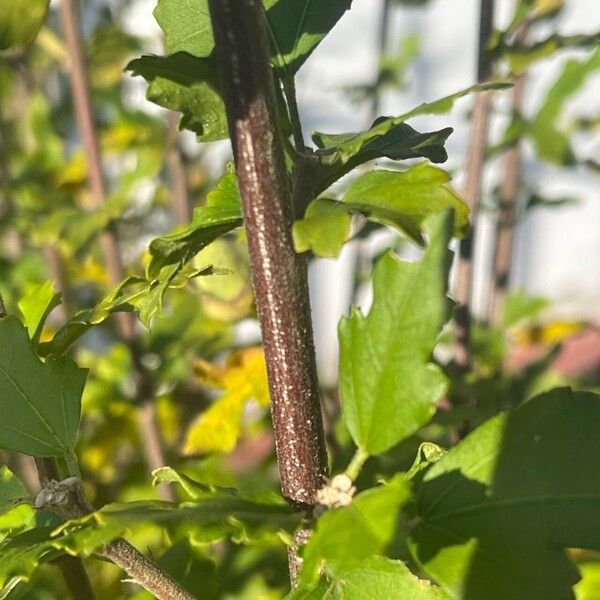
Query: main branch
{"type": "Point", "coordinates": [279, 274]}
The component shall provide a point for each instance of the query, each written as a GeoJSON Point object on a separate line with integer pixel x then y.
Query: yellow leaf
{"type": "Point", "coordinates": [243, 378]}
{"type": "Point", "coordinates": [549, 333]}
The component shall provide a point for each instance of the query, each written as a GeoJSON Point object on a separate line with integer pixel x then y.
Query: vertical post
{"type": "Point", "coordinates": [472, 193]}
{"type": "Point", "coordinates": [147, 421]}
{"type": "Point", "coordinates": [279, 274]}
{"type": "Point", "coordinates": [509, 197]}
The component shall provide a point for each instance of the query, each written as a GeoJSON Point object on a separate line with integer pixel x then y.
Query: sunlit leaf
{"type": "Point", "coordinates": [405, 199]}
{"type": "Point", "coordinates": [221, 515]}
{"type": "Point", "coordinates": [221, 214]}
{"type": "Point", "coordinates": [230, 297]}
{"type": "Point", "coordinates": [12, 489]}
{"type": "Point", "coordinates": [402, 199]}
{"type": "Point", "coordinates": [22, 554]}
{"type": "Point", "coordinates": [356, 531]}
{"type": "Point", "coordinates": [244, 377]}
{"type": "Point", "coordinates": [388, 385]}
{"type": "Point", "coordinates": [20, 20]}
{"type": "Point", "coordinates": [372, 577]}
{"type": "Point", "coordinates": [325, 228]}
{"type": "Point", "coordinates": [36, 306]}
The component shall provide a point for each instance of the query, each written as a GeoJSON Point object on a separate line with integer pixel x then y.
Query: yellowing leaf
{"type": "Point", "coordinates": [243, 378]}
{"type": "Point", "coordinates": [550, 333]}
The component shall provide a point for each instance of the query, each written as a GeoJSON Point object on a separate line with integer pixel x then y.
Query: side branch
{"type": "Point", "coordinates": [279, 274]}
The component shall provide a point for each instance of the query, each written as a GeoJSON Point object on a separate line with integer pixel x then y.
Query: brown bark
{"type": "Point", "coordinates": [279, 274]}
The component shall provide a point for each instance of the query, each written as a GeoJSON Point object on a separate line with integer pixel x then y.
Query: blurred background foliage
{"type": "Point", "coordinates": [205, 369]}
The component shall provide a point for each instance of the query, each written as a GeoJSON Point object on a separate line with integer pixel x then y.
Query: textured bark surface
{"type": "Point", "coordinates": [279, 274]}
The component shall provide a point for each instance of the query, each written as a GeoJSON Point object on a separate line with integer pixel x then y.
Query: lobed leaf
{"type": "Point", "coordinates": [388, 385]}
{"type": "Point", "coordinates": [40, 402]}
{"type": "Point", "coordinates": [36, 306]}
{"type": "Point", "coordinates": [372, 577]}
{"type": "Point", "coordinates": [12, 490]}
{"type": "Point", "coordinates": [550, 143]}
{"type": "Point", "coordinates": [219, 515]}
{"type": "Point", "coordinates": [295, 28]}
{"type": "Point", "coordinates": [405, 199]}
{"type": "Point", "coordinates": [189, 85]}
{"type": "Point", "coordinates": [370, 520]}
{"type": "Point", "coordinates": [497, 511]}
{"type": "Point", "coordinates": [218, 428]}
{"type": "Point", "coordinates": [20, 21]}
{"type": "Point", "coordinates": [402, 199]}
{"type": "Point", "coordinates": [22, 554]}
{"type": "Point", "coordinates": [222, 213]}
{"type": "Point", "coordinates": [325, 228]}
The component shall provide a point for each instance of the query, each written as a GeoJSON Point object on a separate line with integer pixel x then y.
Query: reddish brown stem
{"type": "Point", "coordinates": [279, 274]}
{"type": "Point", "coordinates": [154, 452]}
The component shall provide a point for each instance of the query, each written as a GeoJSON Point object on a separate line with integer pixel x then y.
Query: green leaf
{"type": "Point", "coordinates": [537, 200]}
{"type": "Point", "coordinates": [22, 554]}
{"type": "Point", "coordinates": [550, 143]}
{"type": "Point", "coordinates": [186, 25]}
{"type": "Point", "coordinates": [20, 21]}
{"type": "Point", "coordinates": [356, 531]}
{"type": "Point", "coordinates": [40, 402]}
{"type": "Point", "coordinates": [402, 199]}
{"type": "Point", "coordinates": [194, 489]}
{"type": "Point", "coordinates": [373, 577]}
{"type": "Point", "coordinates": [326, 226]}
{"type": "Point", "coordinates": [295, 27]}
{"type": "Point", "coordinates": [11, 489]}
{"type": "Point", "coordinates": [189, 85]}
{"type": "Point", "coordinates": [495, 514]}
{"type": "Point", "coordinates": [521, 56]}
{"type": "Point", "coordinates": [520, 306]}
{"type": "Point", "coordinates": [398, 142]}
{"type": "Point", "coordinates": [405, 199]}
{"type": "Point", "coordinates": [221, 214]}
{"type": "Point", "coordinates": [36, 306]}
{"type": "Point", "coordinates": [220, 515]}
{"type": "Point", "coordinates": [388, 385]}
{"type": "Point", "coordinates": [391, 136]}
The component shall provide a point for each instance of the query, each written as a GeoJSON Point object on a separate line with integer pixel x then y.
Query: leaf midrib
{"type": "Point", "coordinates": [32, 406]}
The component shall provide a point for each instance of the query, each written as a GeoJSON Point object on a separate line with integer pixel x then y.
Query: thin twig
{"type": "Point", "coordinates": [279, 274]}
{"type": "Point", "coordinates": [289, 88]}
{"type": "Point", "coordinates": [472, 192]}
{"type": "Point", "coordinates": [153, 452]}
{"type": "Point", "coordinates": [72, 567]}
{"type": "Point", "coordinates": [66, 498]}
